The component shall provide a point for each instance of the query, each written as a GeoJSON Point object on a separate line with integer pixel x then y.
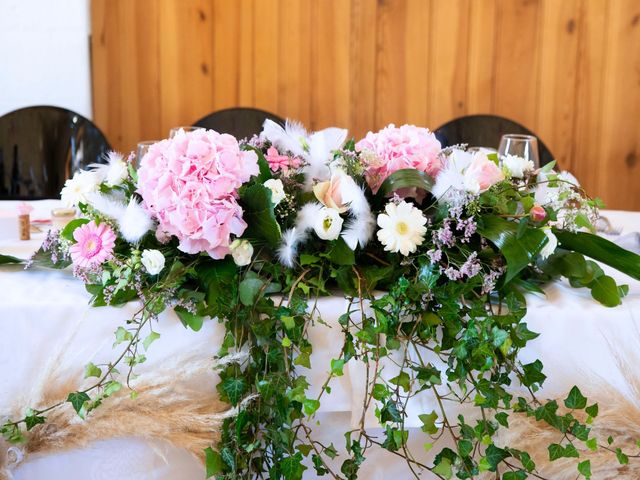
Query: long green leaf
{"type": "Point", "coordinates": [405, 178]}
{"type": "Point", "coordinates": [602, 250]}
{"type": "Point", "coordinates": [5, 259]}
{"type": "Point", "coordinates": [519, 251]}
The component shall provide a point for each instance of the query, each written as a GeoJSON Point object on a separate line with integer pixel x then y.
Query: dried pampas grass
{"type": "Point", "coordinates": [171, 406]}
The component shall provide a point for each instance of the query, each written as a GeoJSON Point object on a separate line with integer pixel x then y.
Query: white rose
{"type": "Point", "coordinates": [241, 251]}
{"type": "Point", "coordinates": [277, 190]}
{"type": "Point", "coordinates": [117, 171]}
{"type": "Point", "coordinates": [77, 189]}
{"type": "Point", "coordinates": [328, 224]}
{"type": "Point", "coordinates": [153, 261]}
{"type": "Point", "coordinates": [517, 166]}
{"type": "Point", "coordinates": [551, 244]}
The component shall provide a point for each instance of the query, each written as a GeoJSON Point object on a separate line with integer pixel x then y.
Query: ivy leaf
{"type": "Point", "coordinates": [517, 475]}
{"type": "Point", "coordinates": [188, 319]}
{"type": "Point", "coordinates": [213, 462]}
{"type": "Point", "coordinates": [33, 420]}
{"type": "Point", "coordinates": [111, 387]}
{"type": "Point", "coordinates": [556, 451]}
{"type": "Point", "coordinates": [90, 370]}
{"type": "Point", "coordinates": [592, 410]}
{"type": "Point", "coordinates": [402, 380]}
{"type": "Point", "coordinates": [465, 447]}
{"type": "Point", "coordinates": [575, 400]}
{"type": "Point", "coordinates": [77, 399]}
{"type": "Point", "coordinates": [533, 373]}
{"type": "Point", "coordinates": [495, 455]}
{"type": "Point", "coordinates": [152, 337]}
{"type": "Point", "coordinates": [592, 444]}
{"type": "Point", "coordinates": [234, 387]}
{"type": "Point", "coordinates": [341, 254]}
{"type": "Point", "coordinates": [429, 422]}
{"type": "Point", "coordinates": [249, 290]}
{"type": "Point", "coordinates": [337, 364]}
{"type": "Point", "coordinates": [443, 468]}
{"type": "Point", "coordinates": [585, 469]}
{"type": "Point", "coordinates": [310, 406]}
{"type": "Point", "coordinates": [259, 215]}
{"type": "Point", "coordinates": [622, 458]}
{"type": "Point", "coordinates": [292, 468]}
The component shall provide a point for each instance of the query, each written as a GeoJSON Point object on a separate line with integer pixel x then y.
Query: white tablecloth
{"type": "Point", "coordinates": [45, 318]}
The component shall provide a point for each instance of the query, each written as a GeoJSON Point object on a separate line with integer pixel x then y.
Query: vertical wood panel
{"type": "Point", "coordinates": [558, 74]}
{"type": "Point", "coordinates": [482, 46]}
{"type": "Point", "coordinates": [448, 60]}
{"type": "Point", "coordinates": [515, 87]}
{"type": "Point", "coordinates": [567, 69]}
{"type": "Point", "coordinates": [186, 54]}
{"type": "Point", "coordinates": [620, 149]}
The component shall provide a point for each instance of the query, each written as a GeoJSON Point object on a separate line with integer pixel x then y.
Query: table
{"type": "Point", "coordinates": [46, 325]}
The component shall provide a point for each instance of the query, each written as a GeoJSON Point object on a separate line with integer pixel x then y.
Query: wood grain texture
{"type": "Point", "coordinates": [567, 69]}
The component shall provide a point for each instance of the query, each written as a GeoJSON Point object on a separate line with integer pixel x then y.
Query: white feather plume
{"type": "Point", "coordinates": [111, 205]}
{"type": "Point", "coordinates": [135, 222]}
{"type": "Point", "coordinates": [321, 147]}
{"type": "Point", "coordinates": [292, 138]}
{"type": "Point", "coordinates": [358, 229]}
{"type": "Point", "coordinates": [451, 178]}
{"type": "Point", "coordinates": [292, 238]}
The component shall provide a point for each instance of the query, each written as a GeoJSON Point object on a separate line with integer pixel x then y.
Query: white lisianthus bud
{"type": "Point", "coordinates": [277, 190]}
{"type": "Point", "coordinates": [328, 225]}
{"type": "Point", "coordinates": [241, 251]}
{"type": "Point", "coordinates": [551, 244]}
{"type": "Point", "coordinates": [517, 166]}
{"type": "Point", "coordinates": [153, 261]}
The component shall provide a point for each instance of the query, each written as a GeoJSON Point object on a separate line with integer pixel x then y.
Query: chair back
{"type": "Point", "coordinates": [241, 122]}
{"type": "Point", "coordinates": [41, 147]}
{"type": "Point", "coordinates": [485, 131]}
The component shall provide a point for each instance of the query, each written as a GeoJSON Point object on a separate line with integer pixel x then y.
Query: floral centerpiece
{"type": "Point", "coordinates": [434, 247]}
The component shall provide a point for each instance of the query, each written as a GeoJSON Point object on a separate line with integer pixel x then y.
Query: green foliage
{"type": "Point", "coordinates": [260, 215]}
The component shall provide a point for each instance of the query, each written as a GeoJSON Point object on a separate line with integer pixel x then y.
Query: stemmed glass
{"type": "Point", "coordinates": [189, 128]}
{"type": "Point", "coordinates": [143, 148]}
{"type": "Point", "coordinates": [525, 146]}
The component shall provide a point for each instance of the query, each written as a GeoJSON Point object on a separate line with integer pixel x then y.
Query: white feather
{"type": "Point", "coordinates": [360, 227]}
{"type": "Point", "coordinates": [292, 138]}
{"type": "Point", "coordinates": [322, 144]}
{"type": "Point", "coordinates": [451, 177]}
{"type": "Point", "coordinates": [111, 205]}
{"type": "Point", "coordinates": [292, 238]}
{"type": "Point", "coordinates": [135, 222]}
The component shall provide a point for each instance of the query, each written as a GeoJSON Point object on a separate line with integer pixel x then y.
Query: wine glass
{"type": "Point", "coordinates": [143, 148]}
{"type": "Point", "coordinates": [188, 128]}
{"type": "Point", "coordinates": [525, 146]}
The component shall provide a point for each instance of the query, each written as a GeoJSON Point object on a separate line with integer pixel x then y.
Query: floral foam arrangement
{"type": "Point", "coordinates": [435, 248]}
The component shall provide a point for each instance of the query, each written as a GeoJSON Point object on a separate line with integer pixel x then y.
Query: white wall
{"type": "Point", "coordinates": [44, 54]}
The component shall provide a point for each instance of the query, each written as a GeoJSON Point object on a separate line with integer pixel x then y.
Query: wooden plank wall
{"type": "Point", "coordinates": [567, 69]}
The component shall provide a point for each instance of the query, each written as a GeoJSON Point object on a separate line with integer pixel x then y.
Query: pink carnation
{"type": "Point", "coordinates": [190, 182]}
{"type": "Point", "coordinates": [396, 148]}
{"type": "Point", "coordinates": [94, 244]}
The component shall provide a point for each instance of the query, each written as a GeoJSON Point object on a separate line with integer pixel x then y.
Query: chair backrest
{"type": "Point", "coordinates": [240, 122]}
{"type": "Point", "coordinates": [41, 147]}
{"type": "Point", "coordinates": [485, 131]}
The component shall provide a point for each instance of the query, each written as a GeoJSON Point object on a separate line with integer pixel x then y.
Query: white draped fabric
{"type": "Point", "coordinates": [45, 321]}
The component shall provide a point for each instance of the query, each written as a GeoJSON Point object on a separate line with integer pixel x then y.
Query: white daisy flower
{"type": "Point", "coordinates": [402, 228]}
{"type": "Point", "coordinates": [517, 166]}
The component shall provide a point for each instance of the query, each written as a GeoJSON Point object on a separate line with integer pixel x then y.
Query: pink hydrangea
{"type": "Point", "coordinates": [190, 182]}
{"type": "Point", "coordinates": [396, 148]}
{"type": "Point", "coordinates": [94, 244]}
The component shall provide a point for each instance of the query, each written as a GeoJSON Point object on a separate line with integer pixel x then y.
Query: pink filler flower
{"type": "Point", "coordinates": [189, 183]}
{"type": "Point", "coordinates": [281, 162]}
{"type": "Point", "coordinates": [396, 148]}
{"type": "Point", "coordinates": [94, 244]}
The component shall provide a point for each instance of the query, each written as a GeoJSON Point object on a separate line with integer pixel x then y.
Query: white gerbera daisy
{"type": "Point", "coordinates": [402, 228]}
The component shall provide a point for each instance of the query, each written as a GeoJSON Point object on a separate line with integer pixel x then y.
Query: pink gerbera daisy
{"type": "Point", "coordinates": [94, 244]}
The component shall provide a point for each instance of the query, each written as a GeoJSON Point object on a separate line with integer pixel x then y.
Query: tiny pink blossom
{"type": "Point", "coordinates": [537, 213]}
{"type": "Point", "coordinates": [189, 184]}
{"type": "Point", "coordinates": [396, 148]}
{"type": "Point", "coordinates": [94, 244]}
{"type": "Point", "coordinates": [281, 162]}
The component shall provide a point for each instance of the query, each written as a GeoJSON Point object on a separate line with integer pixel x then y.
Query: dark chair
{"type": "Point", "coordinates": [41, 147]}
{"type": "Point", "coordinates": [240, 122]}
{"type": "Point", "coordinates": [485, 131]}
